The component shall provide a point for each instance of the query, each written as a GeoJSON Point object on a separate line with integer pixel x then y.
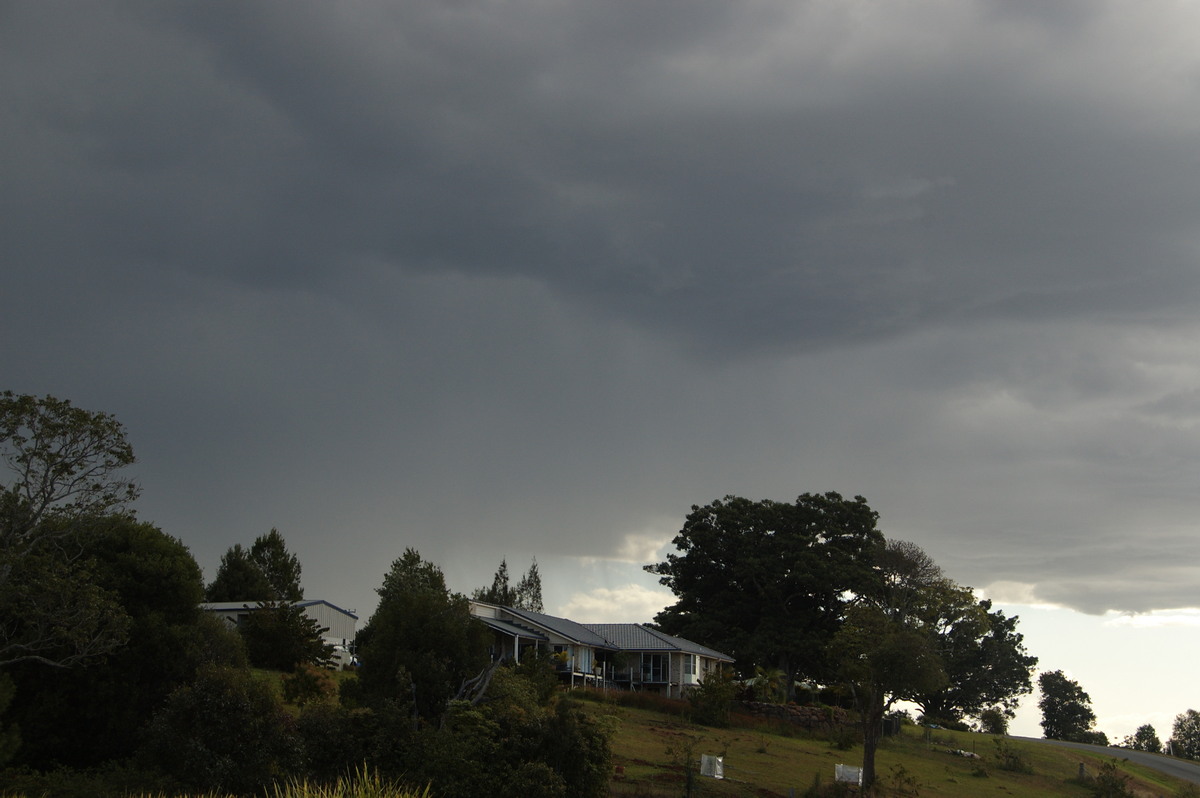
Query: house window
{"type": "Point", "coordinates": [654, 667]}
{"type": "Point", "coordinates": [689, 668]}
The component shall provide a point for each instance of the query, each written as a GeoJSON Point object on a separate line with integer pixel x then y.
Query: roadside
{"type": "Point", "coordinates": [1184, 769]}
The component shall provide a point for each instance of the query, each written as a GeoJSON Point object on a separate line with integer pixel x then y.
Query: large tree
{"type": "Point", "coordinates": [1066, 709]}
{"type": "Point", "coordinates": [984, 657]}
{"type": "Point", "coordinates": [1144, 739]}
{"type": "Point", "coordinates": [768, 582]}
{"type": "Point", "coordinates": [86, 715]}
{"type": "Point", "coordinates": [1185, 735]}
{"type": "Point", "coordinates": [280, 566]}
{"type": "Point", "coordinates": [266, 571]}
{"type": "Point", "coordinates": [421, 642]}
{"type": "Point", "coordinates": [63, 468]}
{"type": "Point", "coordinates": [887, 648]}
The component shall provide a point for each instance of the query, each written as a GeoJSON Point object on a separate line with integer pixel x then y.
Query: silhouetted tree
{"type": "Point", "coordinates": [1066, 709]}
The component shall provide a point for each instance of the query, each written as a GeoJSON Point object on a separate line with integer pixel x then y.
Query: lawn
{"type": "Point", "coordinates": [653, 750]}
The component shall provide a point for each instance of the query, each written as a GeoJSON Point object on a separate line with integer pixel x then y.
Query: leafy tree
{"type": "Point", "coordinates": [993, 720]}
{"type": "Point", "coordinates": [86, 715]}
{"type": "Point", "coordinates": [239, 579]}
{"type": "Point", "coordinates": [265, 572]}
{"type": "Point", "coordinates": [63, 464]}
{"type": "Point", "coordinates": [280, 636]}
{"type": "Point", "coordinates": [1144, 739]}
{"type": "Point", "coordinates": [281, 567]}
{"type": "Point", "coordinates": [1066, 709]}
{"type": "Point", "coordinates": [1185, 735]}
{"type": "Point", "coordinates": [421, 642]}
{"type": "Point", "coordinates": [985, 660]}
{"type": "Point", "coordinates": [768, 582]}
{"type": "Point", "coordinates": [887, 648]}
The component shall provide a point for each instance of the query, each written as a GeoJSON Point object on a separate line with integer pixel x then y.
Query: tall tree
{"type": "Point", "coordinates": [63, 468]}
{"type": "Point", "coordinates": [768, 582]}
{"type": "Point", "coordinates": [64, 462]}
{"type": "Point", "coordinates": [239, 579]}
{"type": "Point", "coordinates": [280, 566]}
{"type": "Point", "coordinates": [265, 572]}
{"type": "Point", "coordinates": [886, 648]}
{"type": "Point", "coordinates": [1066, 709]}
{"type": "Point", "coordinates": [421, 642]}
{"type": "Point", "coordinates": [529, 590]}
{"type": "Point", "coordinates": [1185, 735]}
{"type": "Point", "coordinates": [984, 657]}
{"type": "Point", "coordinates": [500, 592]}
{"type": "Point", "coordinates": [527, 595]}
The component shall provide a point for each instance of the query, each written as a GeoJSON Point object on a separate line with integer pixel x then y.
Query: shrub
{"type": "Point", "coordinates": [308, 684]}
{"type": "Point", "coordinates": [224, 731]}
{"type": "Point", "coordinates": [993, 721]}
{"type": "Point", "coordinates": [712, 698]}
{"type": "Point", "coordinates": [1009, 758]}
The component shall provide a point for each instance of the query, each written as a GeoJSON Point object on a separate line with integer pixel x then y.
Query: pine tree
{"type": "Point", "coordinates": [529, 590]}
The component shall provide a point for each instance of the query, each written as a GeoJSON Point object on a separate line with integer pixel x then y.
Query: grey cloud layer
{"type": "Point", "coordinates": [586, 264]}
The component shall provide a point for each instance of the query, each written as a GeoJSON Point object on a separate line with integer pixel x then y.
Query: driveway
{"type": "Point", "coordinates": [1179, 768]}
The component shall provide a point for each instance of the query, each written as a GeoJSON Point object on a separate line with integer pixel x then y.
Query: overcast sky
{"type": "Point", "coordinates": [530, 278]}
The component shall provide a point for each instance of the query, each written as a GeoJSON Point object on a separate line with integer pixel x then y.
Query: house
{"type": "Point", "coordinates": [656, 661]}
{"type": "Point", "coordinates": [339, 624]}
{"type": "Point", "coordinates": [581, 652]}
{"type": "Point", "coordinates": [629, 655]}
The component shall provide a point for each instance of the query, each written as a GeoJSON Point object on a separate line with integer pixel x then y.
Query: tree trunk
{"type": "Point", "coordinates": [872, 727]}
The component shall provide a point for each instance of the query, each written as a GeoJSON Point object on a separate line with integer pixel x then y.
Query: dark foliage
{"type": "Point", "coordinates": [224, 731]}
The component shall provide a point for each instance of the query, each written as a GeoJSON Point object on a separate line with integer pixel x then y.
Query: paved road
{"type": "Point", "coordinates": [1179, 768]}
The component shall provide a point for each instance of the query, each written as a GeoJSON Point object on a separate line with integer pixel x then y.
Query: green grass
{"type": "Point", "coordinates": [650, 750]}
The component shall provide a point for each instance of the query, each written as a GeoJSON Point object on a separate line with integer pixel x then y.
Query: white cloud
{"type": "Point", "coordinates": [1186, 618]}
{"type": "Point", "coordinates": [630, 603]}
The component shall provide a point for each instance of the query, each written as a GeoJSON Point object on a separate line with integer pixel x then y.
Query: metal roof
{"type": "Point", "coordinates": [638, 637]}
{"type": "Point", "coordinates": [510, 628]}
{"type": "Point", "coordinates": [570, 630]}
{"type": "Point", "coordinates": [231, 606]}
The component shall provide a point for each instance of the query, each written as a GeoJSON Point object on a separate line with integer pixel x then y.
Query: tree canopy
{"type": "Point", "coordinates": [984, 658]}
{"type": "Point", "coordinates": [1185, 735]}
{"type": "Point", "coordinates": [1144, 739]}
{"type": "Point", "coordinates": [421, 642]}
{"type": "Point", "coordinates": [62, 468]}
{"type": "Point", "coordinates": [768, 582]}
{"type": "Point", "coordinates": [64, 462]}
{"type": "Point", "coordinates": [266, 571]}
{"type": "Point", "coordinates": [86, 715]}
{"type": "Point", "coordinates": [527, 595]}
{"type": "Point", "coordinates": [1066, 709]}
{"type": "Point", "coordinates": [886, 648]}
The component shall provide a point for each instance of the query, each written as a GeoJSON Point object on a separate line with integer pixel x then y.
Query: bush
{"type": "Point", "coordinates": [1110, 782]}
{"type": "Point", "coordinates": [993, 721]}
{"type": "Point", "coordinates": [712, 698]}
{"type": "Point", "coordinates": [224, 731]}
{"type": "Point", "coordinates": [1009, 758]}
{"type": "Point", "coordinates": [308, 684]}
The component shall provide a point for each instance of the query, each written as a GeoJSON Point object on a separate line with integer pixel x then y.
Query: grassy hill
{"type": "Point", "coordinates": [654, 745]}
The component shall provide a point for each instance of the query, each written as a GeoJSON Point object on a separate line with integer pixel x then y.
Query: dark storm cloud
{"type": "Point", "coordinates": [543, 274]}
